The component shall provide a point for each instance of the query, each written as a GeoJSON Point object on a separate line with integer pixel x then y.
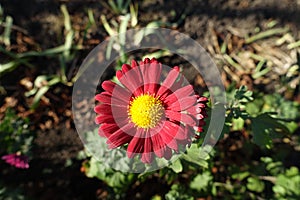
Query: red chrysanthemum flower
{"type": "Point", "coordinates": [151, 115]}
{"type": "Point", "coordinates": [16, 160]}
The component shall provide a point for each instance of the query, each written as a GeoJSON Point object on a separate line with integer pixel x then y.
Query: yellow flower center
{"type": "Point", "coordinates": [145, 111]}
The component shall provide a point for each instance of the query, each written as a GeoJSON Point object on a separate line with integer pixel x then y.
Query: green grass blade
{"type": "Point", "coordinates": [7, 30]}
{"type": "Point", "coordinates": [266, 34]}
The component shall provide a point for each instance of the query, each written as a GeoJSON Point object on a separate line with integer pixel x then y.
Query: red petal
{"type": "Point", "coordinates": [103, 98]}
{"type": "Point", "coordinates": [121, 93]}
{"type": "Point", "coordinates": [175, 130]}
{"type": "Point", "coordinates": [134, 64]}
{"type": "Point", "coordinates": [120, 137]}
{"type": "Point", "coordinates": [194, 110]}
{"type": "Point", "coordinates": [202, 99]}
{"type": "Point", "coordinates": [103, 109]}
{"type": "Point", "coordinates": [180, 117]}
{"type": "Point", "coordinates": [147, 156]}
{"type": "Point", "coordinates": [146, 61]}
{"type": "Point", "coordinates": [152, 77]}
{"type": "Point", "coordinates": [136, 145]}
{"type": "Point", "coordinates": [132, 80]}
{"type": "Point", "coordinates": [159, 146]}
{"type": "Point", "coordinates": [177, 84]}
{"type": "Point", "coordinates": [183, 103]}
{"type": "Point", "coordinates": [168, 139]}
{"type": "Point", "coordinates": [116, 111]}
{"type": "Point", "coordinates": [108, 86]}
{"type": "Point", "coordinates": [181, 92]}
{"type": "Point", "coordinates": [126, 68]}
{"type": "Point", "coordinates": [168, 82]}
{"type": "Point", "coordinates": [106, 98]}
{"type": "Point", "coordinates": [104, 119]}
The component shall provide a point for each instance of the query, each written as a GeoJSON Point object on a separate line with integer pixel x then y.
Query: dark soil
{"type": "Point", "coordinates": [57, 142]}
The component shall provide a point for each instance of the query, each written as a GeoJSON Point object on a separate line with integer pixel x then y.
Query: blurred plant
{"type": "Point", "coordinates": [7, 24]}
{"type": "Point", "coordinates": [117, 6]}
{"type": "Point", "coordinates": [128, 18]}
{"type": "Point", "coordinates": [248, 55]}
{"type": "Point", "coordinates": [120, 26]}
{"type": "Point", "coordinates": [65, 54]}
{"type": "Point", "coordinates": [42, 84]}
{"type": "Point", "coordinates": [285, 182]}
{"type": "Point", "coordinates": [15, 139]}
{"type": "Point", "coordinates": [7, 193]}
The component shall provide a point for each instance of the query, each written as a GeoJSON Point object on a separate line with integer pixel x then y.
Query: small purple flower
{"type": "Point", "coordinates": [16, 160]}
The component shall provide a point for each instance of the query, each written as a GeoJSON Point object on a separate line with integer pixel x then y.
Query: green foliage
{"type": "Point", "coordinates": [254, 184]}
{"type": "Point", "coordinates": [196, 155]}
{"type": "Point", "coordinates": [201, 181]}
{"type": "Point", "coordinates": [101, 169]}
{"type": "Point", "coordinates": [115, 179]}
{"type": "Point", "coordinates": [270, 116]}
{"type": "Point", "coordinates": [176, 166]}
{"type": "Point", "coordinates": [287, 184]}
{"type": "Point", "coordinates": [265, 128]}
{"type": "Point", "coordinates": [118, 6]}
{"type": "Point", "coordinates": [10, 194]}
{"type": "Point", "coordinates": [128, 18]}
{"type": "Point", "coordinates": [177, 192]}
{"type": "Point", "coordinates": [288, 111]}
{"type": "Point", "coordinates": [15, 135]}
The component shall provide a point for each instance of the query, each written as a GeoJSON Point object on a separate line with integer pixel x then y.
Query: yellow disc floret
{"type": "Point", "coordinates": [145, 111]}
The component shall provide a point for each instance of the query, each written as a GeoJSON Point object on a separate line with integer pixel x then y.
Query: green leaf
{"type": "Point", "coordinates": [265, 128]}
{"type": "Point", "coordinates": [238, 124]}
{"type": "Point", "coordinates": [38, 96]}
{"type": "Point", "coordinates": [176, 166]}
{"type": "Point", "coordinates": [214, 190]}
{"type": "Point", "coordinates": [114, 179]}
{"type": "Point", "coordinates": [201, 181]}
{"type": "Point", "coordinates": [279, 190]}
{"type": "Point", "coordinates": [243, 94]}
{"type": "Point", "coordinates": [254, 107]}
{"type": "Point", "coordinates": [240, 175]}
{"type": "Point", "coordinates": [10, 66]}
{"type": "Point", "coordinates": [196, 156]}
{"type": "Point", "coordinates": [7, 30]}
{"type": "Point", "coordinates": [254, 184]}
{"type": "Point", "coordinates": [288, 184]}
{"type": "Point", "coordinates": [177, 192]}
{"type": "Point", "coordinates": [93, 170]}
